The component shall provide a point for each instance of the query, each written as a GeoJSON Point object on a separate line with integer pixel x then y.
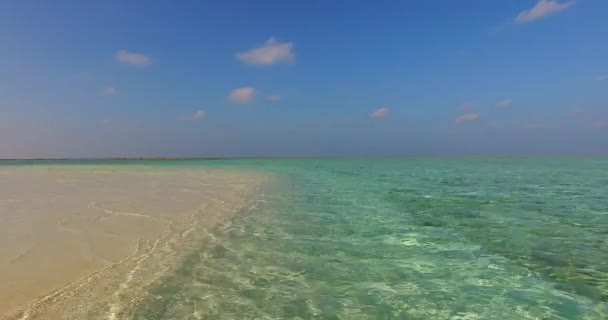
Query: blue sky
{"type": "Point", "coordinates": [302, 78]}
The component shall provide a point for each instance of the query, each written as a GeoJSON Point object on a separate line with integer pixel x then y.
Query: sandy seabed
{"type": "Point", "coordinates": [87, 241]}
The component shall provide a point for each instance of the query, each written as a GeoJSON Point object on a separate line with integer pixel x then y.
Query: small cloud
{"type": "Point", "coordinates": [270, 53]}
{"type": "Point", "coordinates": [601, 78]}
{"type": "Point", "coordinates": [109, 91]}
{"type": "Point", "coordinates": [504, 103]}
{"type": "Point", "coordinates": [468, 106]}
{"type": "Point", "coordinates": [380, 113]}
{"type": "Point", "coordinates": [467, 117]}
{"type": "Point", "coordinates": [198, 115]}
{"type": "Point", "coordinates": [242, 95]}
{"type": "Point", "coordinates": [273, 97]}
{"type": "Point", "coordinates": [542, 9]}
{"type": "Point", "coordinates": [600, 124]}
{"type": "Point", "coordinates": [136, 59]}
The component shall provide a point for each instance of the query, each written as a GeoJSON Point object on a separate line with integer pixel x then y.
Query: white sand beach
{"type": "Point", "coordinates": [84, 241]}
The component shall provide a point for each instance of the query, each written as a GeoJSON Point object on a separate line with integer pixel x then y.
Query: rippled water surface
{"type": "Point", "coordinates": [411, 238]}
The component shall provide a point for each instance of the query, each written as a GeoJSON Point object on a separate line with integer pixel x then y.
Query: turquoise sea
{"type": "Point", "coordinates": [403, 238]}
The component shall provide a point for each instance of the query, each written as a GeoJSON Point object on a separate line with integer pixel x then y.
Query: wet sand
{"type": "Point", "coordinates": [85, 242]}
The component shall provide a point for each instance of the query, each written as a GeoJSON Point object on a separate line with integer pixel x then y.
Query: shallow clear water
{"type": "Point", "coordinates": [459, 238]}
{"type": "Point", "coordinates": [409, 238]}
{"type": "Point", "coordinates": [412, 238]}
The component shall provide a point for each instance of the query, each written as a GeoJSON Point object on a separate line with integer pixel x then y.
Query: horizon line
{"type": "Point", "coordinates": [298, 157]}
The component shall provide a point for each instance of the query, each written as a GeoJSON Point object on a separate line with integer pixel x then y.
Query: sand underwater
{"type": "Point", "coordinates": [377, 238]}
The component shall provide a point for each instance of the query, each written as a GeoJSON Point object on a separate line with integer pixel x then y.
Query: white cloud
{"type": "Point", "coordinates": [542, 9]}
{"type": "Point", "coordinates": [109, 91]}
{"type": "Point", "coordinates": [601, 78]}
{"type": "Point", "coordinates": [137, 59]}
{"type": "Point", "coordinates": [380, 113]}
{"type": "Point", "coordinates": [273, 97]}
{"type": "Point", "coordinates": [270, 53]}
{"type": "Point", "coordinates": [242, 95]}
{"type": "Point", "coordinates": [504, 103]}
{"type": "Point", "coordinates": [467, 117]}
{"type": "Point", "coordinates": [198, 115]}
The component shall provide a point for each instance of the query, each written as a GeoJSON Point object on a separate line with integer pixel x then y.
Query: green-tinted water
{"type": "Point", "coordinates": [461, 238]}
{"type": "Point", "coordinates": [412, 238]}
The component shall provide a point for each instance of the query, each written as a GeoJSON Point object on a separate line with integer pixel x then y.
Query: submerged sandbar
{"type": "Point", "coordinates": [85, 240]}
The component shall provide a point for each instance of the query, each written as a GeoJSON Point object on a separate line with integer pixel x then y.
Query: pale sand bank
{"type": "Point", "coordinates": [83, 242]}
